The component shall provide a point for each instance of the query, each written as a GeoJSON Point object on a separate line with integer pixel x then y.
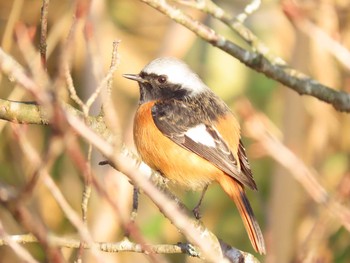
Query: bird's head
{"type": "Point", "coordinates": [167, 78]}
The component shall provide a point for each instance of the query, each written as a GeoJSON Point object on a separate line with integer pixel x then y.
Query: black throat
{"type": "Point", "coordinates": [150, 91]}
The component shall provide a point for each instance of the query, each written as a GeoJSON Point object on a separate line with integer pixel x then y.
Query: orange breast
{"type": "Point", "coordinates": [173, 161]}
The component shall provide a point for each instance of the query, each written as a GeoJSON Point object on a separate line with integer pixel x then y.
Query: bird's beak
{"type": "Point", "coordinates": [135, 77]}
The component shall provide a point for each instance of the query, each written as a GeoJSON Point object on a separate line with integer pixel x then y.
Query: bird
{"type": "Point", "coordinates": [183, 130]}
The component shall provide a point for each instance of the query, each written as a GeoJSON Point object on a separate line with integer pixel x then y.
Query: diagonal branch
{"type": "Point", "coordinates": [298, 81]}
{"type": "Point", "coordinates": [94, 130]}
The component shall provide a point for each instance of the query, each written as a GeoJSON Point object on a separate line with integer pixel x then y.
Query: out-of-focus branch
{"type": "Point", "coordinates": [299, 82]}
{"type": "Point", "coordinates": [16, 247]}
{"type": "Point", "coordinates": [126, 245]}
{"type": "Point", "coordinates": [207, 242]}
{"type": "Point", "coordinates": [32, 113]}
{"type": "Point", "coordinates": [256, 128]}
{"type": "Point", "coordinates": [236, 24]}
{"type": "Point", "coordinates": [41, 166]}
{"type": "Point", "coordinates": [319, 36]}
{"type": "Point", "coordinates": [43, 31]}
{"type": "Point", "coordinates": [193, 230]}
{"type": "Point", "coordinates": [33, 224]}
{"type": "Point", "coordinates": [16, 72]}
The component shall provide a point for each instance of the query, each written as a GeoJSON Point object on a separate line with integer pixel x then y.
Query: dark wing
{"type": "Point", "coordinates": [202, 139]}
{"type": "Point", "coordinates": [245, 167]}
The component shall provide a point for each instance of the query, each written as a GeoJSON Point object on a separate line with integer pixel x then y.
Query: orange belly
{"type": "Point", "coordinates": [174, 162]}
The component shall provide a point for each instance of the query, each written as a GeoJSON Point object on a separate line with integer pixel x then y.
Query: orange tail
{"type": "Point", "coordinates": [236, 192]}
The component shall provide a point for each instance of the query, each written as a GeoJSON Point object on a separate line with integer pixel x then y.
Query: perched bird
{"type": "Point", "coordinates": [188, 134]}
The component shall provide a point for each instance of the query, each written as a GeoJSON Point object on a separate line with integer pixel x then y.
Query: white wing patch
{"type": "Point", "coordinates": [199, 134]}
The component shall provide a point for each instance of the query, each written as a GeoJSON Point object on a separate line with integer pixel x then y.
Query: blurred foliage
{"type": "Point", "coordinates": [314, 131]}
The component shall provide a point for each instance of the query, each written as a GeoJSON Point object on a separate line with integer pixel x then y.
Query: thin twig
{"type": "Point", "coordinates": [72, 91]}
{"type": "Point", "coordinates": [106, 80]}
{"type": "Point", "coordinates": [115, 60]}
{"type": "Point", "coordinates": [34, 225]}
{"type": "Point", "coordinates": [298, 81]}
{"type": "Point", "coordinates": [16, 247]}
{"type": "Point", "coordinates": [238, 27]}
{"type": "Point", "coordinates": [32, 58]}
{"type": "Point", "coordinates": [135, 205]}
{"type": "Point", "coordinates": [248, 10]}
{"type": "Point", "coordinates": [208, 244]}
{"type": "Point", "coordinates": [43, 31]}
{"type": "Point", "coordinates": [319, 36]}
{"type": "Point", "coordinates": [126, 245]}
{"type": "Point", "coordinates": [15, 72]}
{"type": "Point", "coordinates": [307, 177]}
{"type": "Point", "coordinates": [194, 231]}
{"type": "Point", "coordinates": [42, 166]}
{"type": "Point", "coordinates": [86, 197]}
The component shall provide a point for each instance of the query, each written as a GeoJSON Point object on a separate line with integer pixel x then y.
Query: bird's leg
{"type": "Point", "coordinates": [195, 210]}
{"type": "Point", "coordinates": [135, 206]}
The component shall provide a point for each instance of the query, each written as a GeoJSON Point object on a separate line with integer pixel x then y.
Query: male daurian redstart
{"type": "Point", "coordinates": [188, 134]}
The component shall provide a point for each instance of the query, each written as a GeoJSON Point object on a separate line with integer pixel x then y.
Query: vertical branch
{"type": "Point", "coordinates": [85, 197]}
{"type": "Point", "coordinates": [114, 63]}
{"type": "Point", "coordinates": [107, 108]}
{"type": "Point", "coordinates": [43, 31]}
{"type": "Point", "coordinates": [135, 205]}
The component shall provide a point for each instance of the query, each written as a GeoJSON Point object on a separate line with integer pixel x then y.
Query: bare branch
{"type": "Point", "coordinates": [238, 27]}
{"type": "Point", "coordinates": [299, 82]}
{"type": "Point", "coordinates": [16, 247]}
{"type": "Point", "coordinates": [208, 243]}
{"type": "Point", "coordinates": [341, 53]}
{"type": "Point", "coordinates": [43, 31]}
{"type": "Point", "coordinates": [248, 10]}
{"type": "Point", "coordinates": [307, 177]}
{"type": "Point", "coordinates": [15, 72]}
{"type": "Point", "coordinates": [125, 245]}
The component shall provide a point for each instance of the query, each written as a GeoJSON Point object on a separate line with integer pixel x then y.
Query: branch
{"type": "Point", "coordinates": [123, 246]}
{"type": "Point", "coordinates": [257, 128]}
{"type": "Point", "coordinates": [94, 130]}
{"type": "Point", "coordinates": [43, 31]}
{"type": "Point", "coordinates": [299, 82]}
{"type": "Point", "coordinates": [32, 113]}
{"type": "Point", "coordinates": [193, 230]}
{"type": "Point", "coordinates": [126, 245]}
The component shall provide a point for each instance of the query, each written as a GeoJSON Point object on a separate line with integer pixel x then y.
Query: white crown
{"type": "Point", "coordinates": [177, 72]}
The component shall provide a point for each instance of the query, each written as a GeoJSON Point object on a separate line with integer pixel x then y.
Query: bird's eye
{"type": "Point", "coordinates": [162, 79]}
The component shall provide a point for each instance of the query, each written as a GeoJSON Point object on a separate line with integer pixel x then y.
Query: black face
{"type": "Point", "coordinates": [157, 87]}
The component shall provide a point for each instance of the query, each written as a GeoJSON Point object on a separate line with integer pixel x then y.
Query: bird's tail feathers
{"type": "Point", "coordinates": [236, 193]}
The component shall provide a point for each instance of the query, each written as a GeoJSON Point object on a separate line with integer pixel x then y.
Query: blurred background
{"type": "Point", "coordinates": [296, 228]}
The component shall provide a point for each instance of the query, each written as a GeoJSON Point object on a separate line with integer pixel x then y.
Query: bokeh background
{"type": "Point", "coordinates": [296, 228]}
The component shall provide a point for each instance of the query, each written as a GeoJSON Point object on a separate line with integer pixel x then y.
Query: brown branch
{"type": "Point", "coordinates": [236, 24]}
{"type": "Point", "coordinates": [34, 225]}
{"type": "Point", "coordinates": [89, 128]}
{"type": "Point", "coordinates": [43, 31]}
{"type": "Point", "coordinates": [256, 127]}
{"type": "Point", "coordinates": [299, 82]}
{"type": "Point", "coordinates": [113, 247]}
{"type": "Point", "coordinates": [208, 243]}
{"type": "Point", "coordinates": [32, 113]}
{"type": "Point", "coordinates": [126, 245]}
